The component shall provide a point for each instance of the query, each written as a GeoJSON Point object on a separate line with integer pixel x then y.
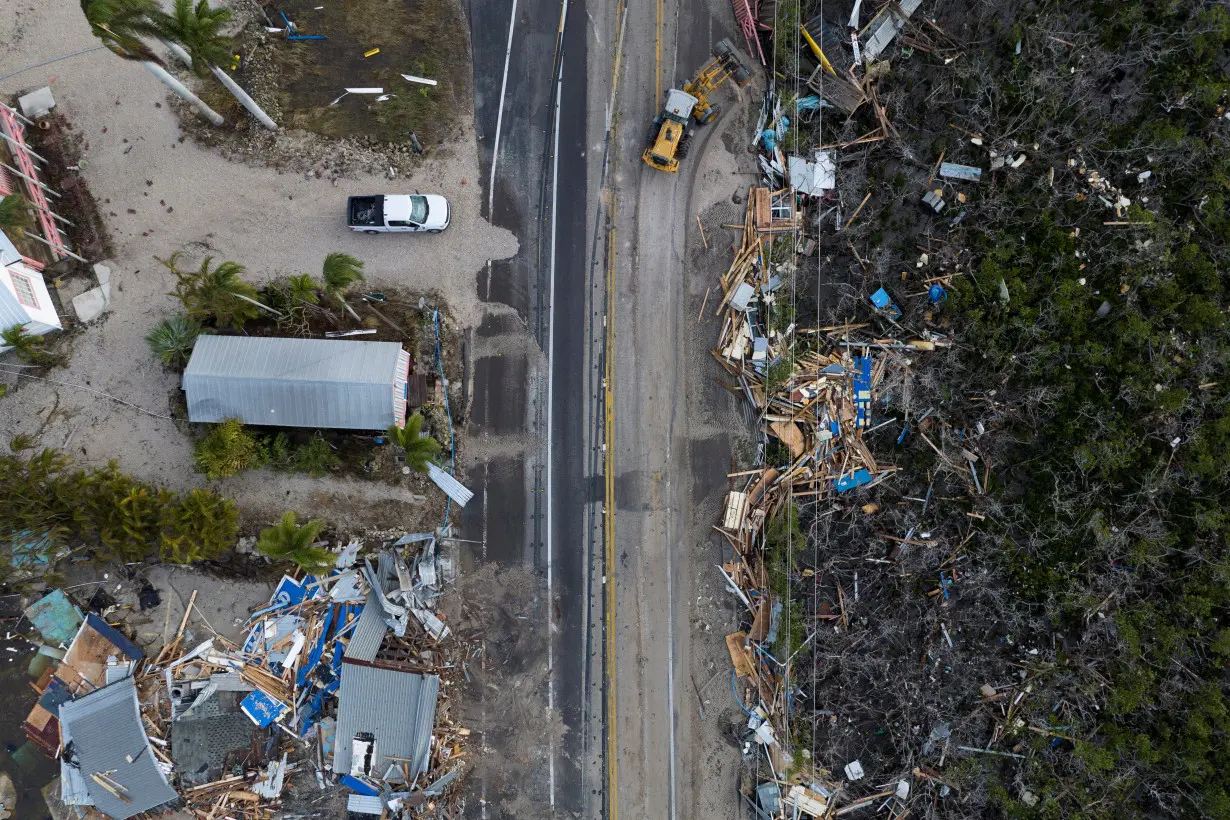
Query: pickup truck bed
{"type": "Point", "coordinates": [366, 211]}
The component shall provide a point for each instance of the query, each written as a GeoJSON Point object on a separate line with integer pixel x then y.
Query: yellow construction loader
{"type": "Point", "coordinates": [672, 129]}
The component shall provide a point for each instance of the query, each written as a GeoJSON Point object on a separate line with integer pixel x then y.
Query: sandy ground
{"type": "Point", "coordinates": [272, 222]}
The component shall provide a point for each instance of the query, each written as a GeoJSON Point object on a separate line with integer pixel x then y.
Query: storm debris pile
{"type": "Point", "coordinates": [341, 680]}
{"type": "Point", "coordinates": [813, 393]}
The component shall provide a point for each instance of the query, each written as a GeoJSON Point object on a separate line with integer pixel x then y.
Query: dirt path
{"type": "Point", "coordinates": [160, 194]}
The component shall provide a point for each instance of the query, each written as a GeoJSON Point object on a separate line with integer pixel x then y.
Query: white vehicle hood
{"type": "Point", "coordinates": [437, 212]}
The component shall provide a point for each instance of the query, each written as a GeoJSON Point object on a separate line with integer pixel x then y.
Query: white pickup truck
{"type": "Point", "coordinates": [397, 213]}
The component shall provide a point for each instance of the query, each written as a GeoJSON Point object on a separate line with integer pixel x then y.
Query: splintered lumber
{"type": "Point", "coordinates": [114, 792]}
{"type": "Point", "coordinates": [854, 215]}
{"type": "Point", "coordinates": [740, 654]}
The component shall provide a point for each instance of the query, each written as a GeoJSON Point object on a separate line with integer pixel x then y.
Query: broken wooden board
{"type": "Point", "coordinates": [740, 654]}
{"type": "Point", "coordinates": [791, 436]}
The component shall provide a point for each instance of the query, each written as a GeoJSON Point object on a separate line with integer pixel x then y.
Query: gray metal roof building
{"type": "Point", "coordinates": [398, 708]}
{"type": "Point", "coordinates": [106, 731]}
{"type": "Point", "coordinates": [323, 383]}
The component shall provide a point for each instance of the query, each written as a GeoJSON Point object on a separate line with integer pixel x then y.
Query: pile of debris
{"type": "Point", "coordinates": [812, 390]}
{"type": "Point", "coordinates": [342, 678]}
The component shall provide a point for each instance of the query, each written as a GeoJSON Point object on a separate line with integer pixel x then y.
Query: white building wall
{"type": "Point", "coordinates": [24, 298]}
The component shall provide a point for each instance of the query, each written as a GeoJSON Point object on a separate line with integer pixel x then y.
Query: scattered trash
{"type": "Point", "coordinates": [968, 173]}
{"type": "Point", "coordinates": [933, 201]}
{"type": "Point", "coordinates": [421, 80]}
{"type": "Point", "coordinates": [222, 726]}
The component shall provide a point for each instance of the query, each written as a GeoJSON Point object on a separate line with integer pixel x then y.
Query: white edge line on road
{"type": "Point", "coordinates": [499, 117]}
{"type": "Point", "coordinates": [559, 90]}
{"type": "Point", "coordinates": [486, 475]}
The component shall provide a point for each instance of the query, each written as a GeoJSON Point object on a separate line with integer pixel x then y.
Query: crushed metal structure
{"type": "Point", "coordinates": [339, 678]}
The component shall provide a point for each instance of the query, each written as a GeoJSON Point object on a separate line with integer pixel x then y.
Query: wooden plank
{"type": "Point", "coordinates": [740, 654]}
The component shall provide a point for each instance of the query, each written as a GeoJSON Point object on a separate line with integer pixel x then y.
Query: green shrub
{"type": "Point", "coordinates": [226, 450]}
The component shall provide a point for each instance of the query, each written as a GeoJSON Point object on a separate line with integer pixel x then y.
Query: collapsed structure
{"type": "Point", "coordinates": [339, 679]}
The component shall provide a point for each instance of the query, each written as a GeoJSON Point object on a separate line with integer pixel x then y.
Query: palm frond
{"type": "Point", "coordinates": [302, 289]}
{"type": "Point", "coordinates": [288, 541]}
{"type": "Point", "coordinates": [122, 25]}
{"type": "Point", "coordinates": [420, 450]}
{"type": "Point", "coordinates": [196, 28]}
{"type": "Point", "coordinates": [340, 271]}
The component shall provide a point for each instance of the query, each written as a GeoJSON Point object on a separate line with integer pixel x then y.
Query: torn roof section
{"type": "Point", "coordinates": [112, 752]}
{"type": "Point", "coordinates": [397, 708]}
{"type": "Point", "coordinates": [369, 632]}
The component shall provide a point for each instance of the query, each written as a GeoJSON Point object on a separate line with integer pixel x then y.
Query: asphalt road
{"type": "Point", "coordinates": [529, 372]}
{"type": "Point", "coordinates": [664, 464]}
{"type": "Point", "coordinates": [569, 183]}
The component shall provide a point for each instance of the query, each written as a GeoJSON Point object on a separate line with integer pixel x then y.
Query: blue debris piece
{"type": "Point", "coordinates": [358, 786]}
{"type": "Point", "coordinates": [862, 391]}
{"type": "Point", "coordinates": [317, 651]}
{"type": "Point", "coordinates": [55, 618]}
{"type": "Point", "coordinates": [937, 294]}
{"type": "Point", "coordinates": [904, 432]}
{"type": "Point", "coordinates": [30, 551]}
{"type": "Point", "coordinates": [775, 619]}
{"type": "Point", "coordinates": [810, 103]}
{"type": "Point", "coordinates": [847, 483]}
{"type": "Point", "coordinates": [289, 592]}
{"type": "Point", "coordinates": [263, 709]}
{"type": "Point", "coordinates": [835, 369]}
{"type": "Point", "coordinates": [885, 304]}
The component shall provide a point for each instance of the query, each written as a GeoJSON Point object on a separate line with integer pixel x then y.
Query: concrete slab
{"type": "Point", "coordinates": [37, 103]}
{"type": "Point", "coordinates": [90, 305]}
{"type": "Point", "coordinates": [102, 273]}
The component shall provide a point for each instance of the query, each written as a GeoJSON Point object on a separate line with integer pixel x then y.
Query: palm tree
{"type": "Point", "coordinates": [218, 293]}
{"type": "Point", "coordinates": [341, 270]}
{"type": "Point", "coordinates": [420, 450]}
{"type": "Point", "coordinates": [191, 33]}
{"type": "Point", "coordinates": [121, 25]}
{"type": "Point", "coordinates": [301, 289]}
{"type": "Point", "coordinates": [172, 339]}
{"type": "Point", "coordinates": [287, 541]}
{"type": "Point", "coordinates": [28, 347]}
{"type": "Point", "coordinates": [15, 214]}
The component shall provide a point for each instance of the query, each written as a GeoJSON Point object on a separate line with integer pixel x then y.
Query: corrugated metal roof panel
{"type": "Point", "coordinates": [330, 383]}
{"type": "Point", "coordinates": [364, 804]}
{"type": "Point", "coordinates": [105, 726]}
{"type": "Point", "coordinates": [369, 631]}
{"type": "Point", "coordinates": [399, 708]}
{"type": "Point", "coordinates": [453, 488]}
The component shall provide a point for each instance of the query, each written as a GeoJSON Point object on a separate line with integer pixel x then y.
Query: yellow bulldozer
{"type": "Point", "coordinates": [672, 129]}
